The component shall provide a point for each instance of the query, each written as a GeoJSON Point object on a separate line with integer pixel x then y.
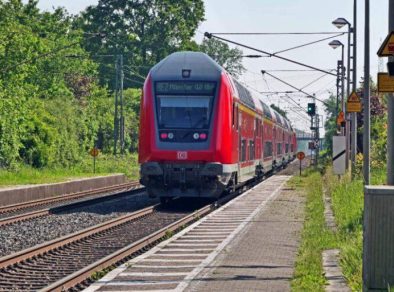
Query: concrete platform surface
{"type": "Point", "coordinates": [249, 244]}
{"type": "Point", "coordinates": [26, 193]}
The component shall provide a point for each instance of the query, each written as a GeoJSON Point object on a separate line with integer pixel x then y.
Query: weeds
{"type": "Point", "coordinates": [105, 164]}
{"type": "Point", "coordinates": [316, 237]}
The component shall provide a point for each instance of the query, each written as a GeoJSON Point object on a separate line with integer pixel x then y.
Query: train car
{"type": "Point", "coordinates": [202, 132]}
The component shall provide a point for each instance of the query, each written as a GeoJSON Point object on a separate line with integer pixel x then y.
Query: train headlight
{"type": "Point", "coordinates": [170, 136]}
{"type": "Point", "coordinates": [164, 135]}
{"type": "Point", "coordinates": [196, 136]}
{"type": "Point", "coordinates": [203, 136]}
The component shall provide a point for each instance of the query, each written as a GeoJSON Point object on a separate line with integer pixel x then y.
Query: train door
{"type": "Point", "coordinates": [240, 146]}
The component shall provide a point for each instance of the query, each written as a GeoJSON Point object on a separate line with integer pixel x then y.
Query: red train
{"type": "Point", "coordinates": [202, 132]}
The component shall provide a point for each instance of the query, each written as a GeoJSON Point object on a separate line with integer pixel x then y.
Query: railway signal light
{"type": "Point", "coordinates": [311, 109]}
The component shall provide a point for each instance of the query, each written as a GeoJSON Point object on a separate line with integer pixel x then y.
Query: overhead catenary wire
{"type": "Point", "coordinates": [308, 44]}
{"type": "Point", "coordinates": [292, 86]}
{"type": "Point", "coordinates": [133, 80]}
{"type": "Point", "coordinates": [313, 81]}
{"type": "Point", "coordinates": [275, 33]}
{"type": "Point", "coordinates": [298, 105]}
{"type": "Point", "coordinates": [210, 35]}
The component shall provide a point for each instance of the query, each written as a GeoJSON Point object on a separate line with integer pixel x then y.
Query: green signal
{"type": "Point", "coordinates": [311, 109]}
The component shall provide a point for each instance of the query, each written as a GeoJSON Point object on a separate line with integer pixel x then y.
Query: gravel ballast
{"type": "Point", "coordinates": [22, 235]}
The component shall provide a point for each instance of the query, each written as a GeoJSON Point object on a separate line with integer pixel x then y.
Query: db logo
{"type": "Point", "coordinates": [181, 155]}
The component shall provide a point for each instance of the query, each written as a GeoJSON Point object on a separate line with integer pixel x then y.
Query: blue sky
{"type": "Point", "coordinates": [284, 16]}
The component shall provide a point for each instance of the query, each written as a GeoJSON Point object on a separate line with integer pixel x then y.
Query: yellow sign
{"type": "Point", "coordinates": [94, 152]}
{"type": "Point", "coordinates": [353, 104]}
{"type": "Point", "coordinates": [385, 83]}
{"type": "Point", "coordinates": [387, 48]}
{"type": "Point", "coordinates": [340, 118]}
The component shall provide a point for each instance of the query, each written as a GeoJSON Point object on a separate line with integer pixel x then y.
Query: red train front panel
{"type": "Point", "coordinates": [202, 132]}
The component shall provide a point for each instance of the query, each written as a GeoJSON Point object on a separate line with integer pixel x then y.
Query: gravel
{"type": "Point", "coordinates": [22, 235]}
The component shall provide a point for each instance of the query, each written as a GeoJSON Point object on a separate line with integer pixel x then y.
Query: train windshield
{"type": "Point", "coordinates": [186, 105]}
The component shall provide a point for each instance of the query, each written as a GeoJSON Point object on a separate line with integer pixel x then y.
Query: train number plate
{"type": "Point", "coordinates": [181, 155]}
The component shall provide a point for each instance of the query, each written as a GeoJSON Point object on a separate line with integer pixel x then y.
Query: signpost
{"type": "Point", "coordinates": [385, 83]}
{"type": "Point", "coordinates": [353, 104]}
{"type": "Point", "coordinates": [387, 47]}
{"type": "Point", "coordinates": [94, 152]}
{"type": "Point", "coordinates": [300, 156]}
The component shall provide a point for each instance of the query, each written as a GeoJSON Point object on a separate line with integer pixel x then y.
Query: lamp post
{"type": "Point", "coordinates": [339, 23]}
{"type": "Point", "coordinates": [335, 44]}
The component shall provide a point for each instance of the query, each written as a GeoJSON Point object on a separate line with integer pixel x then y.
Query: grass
{"type": "Point", "coordinates": [315, 238]}
{"type": "Point", "coordinates": [348, 203]}
{"type": "Point", "coordinates": [105, 164]}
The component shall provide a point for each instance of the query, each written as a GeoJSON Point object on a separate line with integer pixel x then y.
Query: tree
{"type": "Point", "coordinates": [330, 124]}
{"type": "Point", "coordinates": [279, 110]}
{"type": "Point", "coordinates": [144, 31]}
{"type": "Point", "coordinates": [229, 59]}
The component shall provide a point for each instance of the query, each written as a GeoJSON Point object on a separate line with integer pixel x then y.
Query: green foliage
{"type": "Point", "coordinates": [279, 110]}
{"type": "Point", "coordinates": [348, 203]}
{"type": "Point", "coordinates": [330, 125]}
{"type": "Point", "coordinates": [308, 275]}
{"type": "Point", "coordinates": [105, 164]}
{"type": "Point", "coordinates": [52, 107]}
{"type": "Point", "coordinates": [143, 31]}
{"type": "Point", "coordinates": [229, 59]}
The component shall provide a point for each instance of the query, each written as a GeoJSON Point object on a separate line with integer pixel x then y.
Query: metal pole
{"type": "Point", "coordinates": [390, 110]}
{"type": "Point", "coordinates": [338, 81]}
{"type": "Point", "coordinates": [317, 140]}
{"type": "Point", "coordinates": [367, 126]}
{"type": "Point", "coordinates": [347, 131]}
{"type": "Point", "coordinates": [300, 167]}
{"type": "Point", "coordinates": [121, 104]}
{"type": "Point", "coordinates": [354, 83]}
{"type": "Point", "coordinates": [343, 87]}
{"type": "Point", "coordinates": [116, 129]}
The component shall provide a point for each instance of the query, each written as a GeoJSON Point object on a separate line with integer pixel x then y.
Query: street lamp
{"type": "Point", "coordinates": [339, 23]}
{"type": "Point", "coordinates": [336, 44]}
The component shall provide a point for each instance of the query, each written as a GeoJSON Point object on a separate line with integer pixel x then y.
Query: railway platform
{"type": "Point", "coordinates": [249, 244]}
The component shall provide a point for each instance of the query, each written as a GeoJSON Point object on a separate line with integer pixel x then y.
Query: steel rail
{"type": "Point", "coordinates": [64, 240]}
{"type": "Point", "coordinates": [85, 273]}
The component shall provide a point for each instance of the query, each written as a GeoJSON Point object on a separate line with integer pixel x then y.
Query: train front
{"type": "Point", "coordinates": [178, 153]}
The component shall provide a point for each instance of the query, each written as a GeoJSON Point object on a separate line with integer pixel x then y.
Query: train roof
{"type": "Point", "coordinates": [201, 66]}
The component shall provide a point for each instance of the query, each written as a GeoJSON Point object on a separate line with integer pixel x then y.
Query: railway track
{"type": "Point", "coordinates": [63, 263]}
{"type": "Point", "coordinates": [68, 263]}
{"type": "Point", "coordinates": [29, 210]}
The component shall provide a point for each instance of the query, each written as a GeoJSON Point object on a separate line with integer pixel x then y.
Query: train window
{"type": "Point", "coordinates": [279, 148]}
{"type": "Point", "coordinates": [251, 150]}
{"type": "Point", "coordinates": [292, 147]}
{"type": "Point", "coordinates": [184, 111]}
{"type": "Point", "coordinates": [244, 94]}
{"type": "Point", "coordinates": [268, 149]}
{"type": "Point", "coordinates": [287, 148]}
{"type": "Point", "coordinates": [266, 110]}
{"type": "Point", "coordinates": [243, 150]}
{"type": "Point", "coordinates": [278, 118]}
